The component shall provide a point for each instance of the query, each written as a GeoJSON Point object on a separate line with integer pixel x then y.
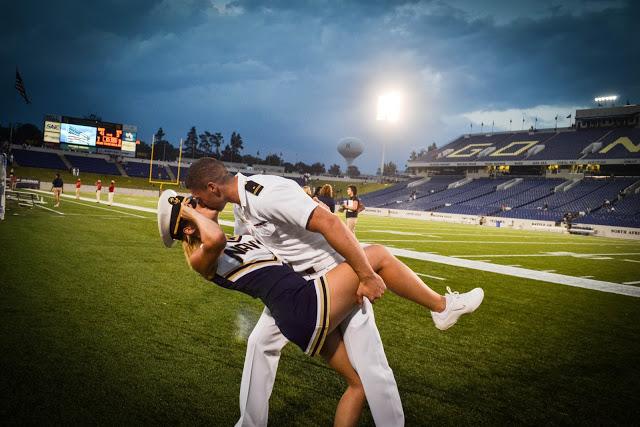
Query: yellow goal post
{"type": "Point", "coordinates": [164, 182]}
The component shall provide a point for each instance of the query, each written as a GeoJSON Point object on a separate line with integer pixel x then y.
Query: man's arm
{"type": "Point", "coordinates": [344, 242]}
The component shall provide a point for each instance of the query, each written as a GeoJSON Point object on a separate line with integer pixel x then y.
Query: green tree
{"type": "Point", "coordinates": [273, 160]}
{"type": "Point", "coordinates": [390, 169]}
{"type": "Point", "coordinates": [317, 168]}
{"type": "Point", "coordinates": [191, 143]}
{"type": "Point", "coordinates": [236, 146]}
{"type": "Point", "coordinates": [353, 171]}
{"type": "Point", "coordinates": [334, 170]}
{"type": "Point", "coordinates": [217, 140]}
{"type": "Point", "coordinates": [205, 142]}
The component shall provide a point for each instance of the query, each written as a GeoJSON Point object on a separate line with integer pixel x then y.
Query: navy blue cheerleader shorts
{"type": "Point", "coordinates": [302, 312]}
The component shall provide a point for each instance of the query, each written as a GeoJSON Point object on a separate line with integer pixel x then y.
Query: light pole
{"type": "Point", "coordinates": [389, 112]}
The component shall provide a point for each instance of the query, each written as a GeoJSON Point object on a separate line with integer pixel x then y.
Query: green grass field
{"type": "Point", "coordinates": [102, 325]}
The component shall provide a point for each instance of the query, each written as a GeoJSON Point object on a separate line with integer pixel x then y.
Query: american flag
{"type": "Point", "coordinates": [20, 87]}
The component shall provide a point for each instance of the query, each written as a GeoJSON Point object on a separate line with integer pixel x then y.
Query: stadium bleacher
{"type": "Point", "coordinates": [92, 164]}
{"type": "Point", "coordinates": [38, 159]}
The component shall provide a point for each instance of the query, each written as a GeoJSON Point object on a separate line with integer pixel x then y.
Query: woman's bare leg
{"type": "Point", "coordinates": [402, 280]}
{"type": "Point", "coordinates": [349, 408]}
{"type": "Point", "coordinates": [343, 284]}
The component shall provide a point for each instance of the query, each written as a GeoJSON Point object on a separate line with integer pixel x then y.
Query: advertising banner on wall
{"type": "Point", "coordinates": [52, 132]}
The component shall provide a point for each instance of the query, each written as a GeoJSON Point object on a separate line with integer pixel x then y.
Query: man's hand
{"type": "Point", "coordinates": [371, 287]}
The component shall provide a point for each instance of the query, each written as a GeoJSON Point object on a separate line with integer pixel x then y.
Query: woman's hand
{"type": "Point", "coordinates": [187, 212]}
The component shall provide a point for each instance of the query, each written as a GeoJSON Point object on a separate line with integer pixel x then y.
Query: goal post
{"type": "Point", "coordinates": [160, 181]}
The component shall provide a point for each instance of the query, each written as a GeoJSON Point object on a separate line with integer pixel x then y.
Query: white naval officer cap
{"type": "Point", "coordinates": [170, 224]}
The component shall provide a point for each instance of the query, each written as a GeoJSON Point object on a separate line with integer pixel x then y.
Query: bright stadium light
{"type": "Point", "coordinates": [607, 98]}
{"type": "Point", "coordinates": [389, 107]}
{"type": "Point", "coordinates": [388, 111]}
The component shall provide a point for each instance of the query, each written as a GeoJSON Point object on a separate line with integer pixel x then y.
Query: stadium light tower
{"type": "Point", "coordinates": [605, 99]}
{"type": "Point", "coordinates": [388, 111]}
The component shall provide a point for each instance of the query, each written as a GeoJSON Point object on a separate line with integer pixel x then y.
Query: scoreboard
{"type": "Point", "coordinates": [91, 135]}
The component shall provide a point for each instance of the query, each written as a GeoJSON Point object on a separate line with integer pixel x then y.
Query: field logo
{"type": "Point", "coordinates": [504, 151]}
{"type": "Point", "coordinates": [469, 150]}
{"type": "Point", "coordinates": [625, 142]}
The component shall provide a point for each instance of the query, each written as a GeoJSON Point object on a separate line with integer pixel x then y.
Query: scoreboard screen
{"type": "Point", "coordinates": [109, 135]}
{"type": "Point", "coordinates": [92, 135]}
{"type": "Point", "coordinates": [77, 134]}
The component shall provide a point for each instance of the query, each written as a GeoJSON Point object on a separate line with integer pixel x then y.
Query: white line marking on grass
{"type": "Point", "coordinates": [498, 242]}
{"type": "Point", "coordinates": [545, 254]}
{"type": "Point", "coordinates": [515, 265]}
{"type": "Point", "coordinates": [631, 260]}
{"type": "Point", "coordinates": [431, 277]}
{"type": "Point", "coordinates": [637, 282]}
{"type": "Point", "coordinates": [49, 209]}
{"type": "Point", "coordinates": [561, 279]}
{"type": "Point", "coordinates": [549, 271]}
{"type": "Point", "coordinates": [86, 199]}
{"type": "Point", "coordinates": [587, 277]}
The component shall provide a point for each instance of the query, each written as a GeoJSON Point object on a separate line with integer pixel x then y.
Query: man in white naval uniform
{"type": "Point", "coordinates": [277, 212]}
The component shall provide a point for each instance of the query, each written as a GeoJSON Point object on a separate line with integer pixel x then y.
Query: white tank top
{"type": "Point", "coordinates": [242, 255]}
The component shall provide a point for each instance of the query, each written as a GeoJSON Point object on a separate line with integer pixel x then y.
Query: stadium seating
{"type": "Point", "coordinates": [557, 145]}
{"type": "Point", "coordinates": [530, 198]}
{"type": "Point", "coordinates": [38, 159]}
{"type": "Point", "coordinates": [141, 170]}
{"type": "Point", "coordinates": [92, 164]}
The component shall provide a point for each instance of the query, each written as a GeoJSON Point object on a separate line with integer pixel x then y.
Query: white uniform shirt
{"type": "Point", "coordinates": [277, 217]}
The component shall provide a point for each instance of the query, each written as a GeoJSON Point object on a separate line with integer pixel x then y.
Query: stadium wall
{"type": "Point", "coordinates": [513, 223]}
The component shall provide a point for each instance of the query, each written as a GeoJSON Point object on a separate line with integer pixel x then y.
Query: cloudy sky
{"type": "Point", "coordinates": [296, 76]}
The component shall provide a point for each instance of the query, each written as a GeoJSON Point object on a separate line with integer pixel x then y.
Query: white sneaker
{"type": "Point", "coordinates": [457, 305]}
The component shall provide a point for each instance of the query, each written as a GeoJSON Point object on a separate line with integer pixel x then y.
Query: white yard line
{"type": "Point", "coordinates": [431, 277]}
{"type": "Point", "coordinates": [544, 255]}
{"type": "Point", "coordinates": [637, 282]}
{"type": "Point", "coordinates": [631, 260]}
{"type": "Point", "coordinates": [497, 242]}
{"type": "Point", "coordinates": [561, 279]}
{"type": "Point", "coordinates": [54, 211]}
{"type": "Point", "coordinates": [93, 205]}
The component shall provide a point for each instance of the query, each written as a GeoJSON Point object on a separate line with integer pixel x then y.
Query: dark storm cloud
{"type": "Point", "coordinates": [294, 76]}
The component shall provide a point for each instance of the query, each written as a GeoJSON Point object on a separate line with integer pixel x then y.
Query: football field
{"type": "Point", "coordinates": [103, 325]}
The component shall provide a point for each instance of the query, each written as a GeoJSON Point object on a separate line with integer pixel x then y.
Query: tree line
{"type": "Point", "coordinates": [196, 145]}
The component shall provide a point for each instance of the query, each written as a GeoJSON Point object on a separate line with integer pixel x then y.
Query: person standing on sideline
{"type": "Point", "coordinates": [283, 218]}
{"type": "Point", "coordinates": [78, 185]}
{"type": "Point", "coordinates": [13, 180]}
{"type": "Point", "coordinates": [112, 189]}
{"type": "Point", "coordinates": [325, 196]}
{"type": "Point", "coordinates": [351, 208]}
{"type": "Point", "coordinates": [56, 187]}
{"type": "Point", "coordinates": [98, 190]}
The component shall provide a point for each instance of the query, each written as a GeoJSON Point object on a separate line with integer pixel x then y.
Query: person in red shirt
{"type": "Point", "coordinates": [78, 185]}
{"type": "Point", "coordinates": [112, 189]}
{"type": "Point", "coordinates": [98, 190]}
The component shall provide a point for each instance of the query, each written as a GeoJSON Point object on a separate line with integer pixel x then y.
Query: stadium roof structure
{"type": "Point", "coordinates": [600, 136]}
{"type": "Point", "coordinates": [608, 112]}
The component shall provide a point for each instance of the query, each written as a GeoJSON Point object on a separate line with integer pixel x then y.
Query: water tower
{"type": "Point", "coordinates": [350, 148]}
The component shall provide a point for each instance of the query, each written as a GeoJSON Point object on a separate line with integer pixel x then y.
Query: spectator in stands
{"type": "Point", "coordinates": [78, 185]}
{"type": "Point", "coordinates": [413, 196]}
{"type": "Point", "coordinates": [56, 187]}
{"type": "Point", "coordinates": [545, 207]}
{"type": "Point", "coordinates": [112, 189]}
{"type": "Point", "coordinates": [351, 208]}
{"type": "Point", "coordinates": [325, 196]}
{"type": "Point", "coordinates": [98, 190]}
